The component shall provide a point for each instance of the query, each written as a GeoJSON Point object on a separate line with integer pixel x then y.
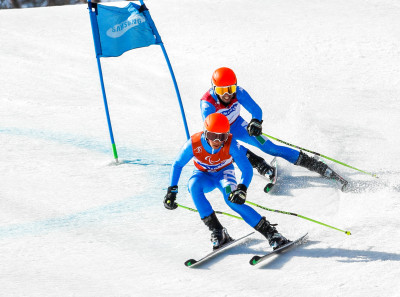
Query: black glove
{"type": "Point", "coordinates": [169, 199]}
{"type": "Point", "coordinates": [254, 128]}
{"type": "Point", "coordinates": [238, 196]}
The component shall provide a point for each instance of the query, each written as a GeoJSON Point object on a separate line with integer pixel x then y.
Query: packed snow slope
{"type": "Point", "coordinates": [326, 74]}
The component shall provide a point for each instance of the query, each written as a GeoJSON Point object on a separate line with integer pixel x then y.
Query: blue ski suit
{"type": "Point", "coordinates": [202, 182]}
{"type": "Point", "coordinates": [210, 103]}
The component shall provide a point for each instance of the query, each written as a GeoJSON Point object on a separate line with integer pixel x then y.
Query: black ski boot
{"type": "Point", "coordinates": [219, 235]}
{"type": "Point", "coordinates": [275, 239]}
{"type": "Point", "coordinates": [260, 164]}
{"type": "Point", "coordinates": [313, 164]}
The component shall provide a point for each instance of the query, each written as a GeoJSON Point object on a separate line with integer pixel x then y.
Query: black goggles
{"type": "Point", "coordinates": [212, 136]}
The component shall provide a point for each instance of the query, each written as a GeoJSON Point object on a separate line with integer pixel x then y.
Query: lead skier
{"type": "Point", "coordinates": [213, 151]}
{"type": "Point", "coordinates": [226, 97]}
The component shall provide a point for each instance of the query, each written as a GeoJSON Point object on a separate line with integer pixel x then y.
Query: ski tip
{"type": "Point", "coordinates": [190, 262]}
{"type": "Point", "coordinates": [345, 187]}
{"type": "Point", "coordinates": [304, 238]}
{"type": "Point", "coordinates": [254, 260]}
{"type": "Point", "coordinates": [268, 188]}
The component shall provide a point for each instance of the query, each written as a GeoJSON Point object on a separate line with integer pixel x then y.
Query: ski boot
{"type": "Point", "coordinates": [275, 239]}
{"type": "Point", "coordinates": [219, 235]}
{"type": "Point", "coordinates": [260, 164]}
{"type": "Point", "coordinates": [313, 164]}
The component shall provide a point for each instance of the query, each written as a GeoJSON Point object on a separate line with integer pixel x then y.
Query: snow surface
{"type": "Point", "coordinates": [326, 74]}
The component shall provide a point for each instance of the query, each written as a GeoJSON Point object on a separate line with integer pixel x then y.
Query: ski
{"type": "Point", "coordinates": [273, 177]}
{"type": "Point", "coordinates": [192, 262]}
{"type": "Point", "coordinates": [258, 259]}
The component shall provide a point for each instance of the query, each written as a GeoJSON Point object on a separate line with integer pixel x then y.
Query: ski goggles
{"type": "Point", "coordinates": [212, 136]}
{"type": "Point", "coordinates": [227, 89]}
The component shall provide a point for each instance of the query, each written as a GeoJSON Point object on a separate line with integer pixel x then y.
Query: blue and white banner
{"type": "Point", "coordinates": [117, 30]}
{"type": "Point", "coordinates": [122, 29]}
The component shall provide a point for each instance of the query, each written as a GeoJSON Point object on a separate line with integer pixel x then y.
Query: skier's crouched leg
{"type": "Point", "coordinates": [197, 186]}
{"type": "Point", "coordinates": [287, 153]}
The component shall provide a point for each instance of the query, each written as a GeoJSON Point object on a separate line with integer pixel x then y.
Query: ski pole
{"type": "Point", "coordinates": [297, 215]}
{"type": "Point", "coordinates": [318, 154]}
{"type": "Point", "coordinates": [216, 211]}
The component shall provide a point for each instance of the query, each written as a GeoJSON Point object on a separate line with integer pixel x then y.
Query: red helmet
{"type": "Point", "coordinates": [217, 123]}
{"type": "Point", "coordinates": [216, 127]}
{"type": "Point", "coordinates": [223, 77]}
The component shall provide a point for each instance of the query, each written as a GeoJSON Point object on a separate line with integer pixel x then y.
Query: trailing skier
{"type": "Point", "coordinates": [226, 97]}
{"type": "Point", "coordinates": [213, 151]}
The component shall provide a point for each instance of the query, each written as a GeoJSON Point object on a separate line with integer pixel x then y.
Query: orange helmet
{"type": "Point", "coordinates": [224, 81]}
{"type": "Point", "coordinates": [223, 77]}
{"type": "Point", "coordinates": [216, 127]}
{"type": "Point", "coordinates": [217, 123]}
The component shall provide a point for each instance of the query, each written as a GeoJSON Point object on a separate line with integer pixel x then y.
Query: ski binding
{"type": "Point", "coordinates": [192, 262]}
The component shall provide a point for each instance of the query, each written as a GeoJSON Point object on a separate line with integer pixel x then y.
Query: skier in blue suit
{"type": "Point", "coordinates": [226, 97]}
{"type": "Point", "coordinates": [213, 151]}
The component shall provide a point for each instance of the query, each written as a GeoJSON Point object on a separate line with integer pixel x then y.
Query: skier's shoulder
{"type": "Point", "coordinates": [195, 138]}
{"type": "Point", "coordinates": [208, 97]}
{"type": "Point", "coordinates": [184, 155]}
{"type": "Point", "coordinates": [187, 146]}
{"type": "Point", "coordinates": [199, 143]}
{"type": "Point", "coordinates": [241, 93]}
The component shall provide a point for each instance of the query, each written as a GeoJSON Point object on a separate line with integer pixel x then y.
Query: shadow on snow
{"type": "Point", "coordinates": [277, 262]}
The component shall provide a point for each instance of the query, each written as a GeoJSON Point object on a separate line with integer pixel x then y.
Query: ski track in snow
{"type": "Point", "coordinates": [90, 216]}
{"type": "Point", "coordinates": [85, 143]}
